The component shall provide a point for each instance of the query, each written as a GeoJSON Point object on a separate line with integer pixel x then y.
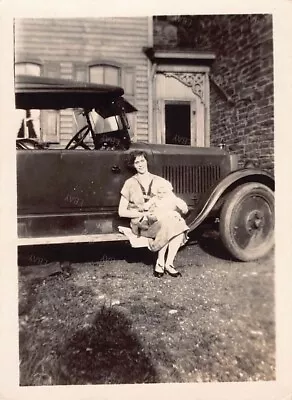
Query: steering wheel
{"type": "Point", "coordinates": [78, 138]}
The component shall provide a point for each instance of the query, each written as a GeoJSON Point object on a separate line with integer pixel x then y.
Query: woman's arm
{"type": "Point", "coordinates": [124, 212]}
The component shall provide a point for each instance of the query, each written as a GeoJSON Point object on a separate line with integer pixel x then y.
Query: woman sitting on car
{"type": "Point", "coordinates": [168, 230]}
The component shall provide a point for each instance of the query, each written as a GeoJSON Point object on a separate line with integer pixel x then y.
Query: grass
{"type": "Point", "coordinates": [110, 321]}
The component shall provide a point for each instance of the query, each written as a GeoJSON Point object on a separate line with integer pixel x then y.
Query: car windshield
{"type": "Point", "coordinates": [99, 124]}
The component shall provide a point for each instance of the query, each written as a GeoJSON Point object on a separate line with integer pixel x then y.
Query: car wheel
{"type": "Point", "coordinates": [247, 221]}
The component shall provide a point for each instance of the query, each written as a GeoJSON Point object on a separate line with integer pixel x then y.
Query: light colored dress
{"type": "Point", "coordinates": [166, 227]}
{"type": "Point", "coordinates": [166, 206]}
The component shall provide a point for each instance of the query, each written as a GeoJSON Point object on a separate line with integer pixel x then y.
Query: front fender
{"type": "Point", "coordinates": [224, 187]}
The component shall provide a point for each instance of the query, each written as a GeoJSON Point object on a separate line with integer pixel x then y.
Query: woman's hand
{"type": "Point", "coordinates": [124, 212]}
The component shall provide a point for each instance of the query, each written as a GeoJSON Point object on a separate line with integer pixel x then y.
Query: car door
{"type": "Point", "coordinates": [92, 180]}
{"type": "Point", "coordinates": [38, 191]}
{"type": "Point", "coordinates": [38, 183]}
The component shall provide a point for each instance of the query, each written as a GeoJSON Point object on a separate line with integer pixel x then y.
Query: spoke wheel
{"type": "Point", "coordinates": [247, 221]}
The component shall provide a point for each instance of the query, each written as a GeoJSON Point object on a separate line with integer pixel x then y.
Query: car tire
{"type": "Point", "coordinates": [247, 221]}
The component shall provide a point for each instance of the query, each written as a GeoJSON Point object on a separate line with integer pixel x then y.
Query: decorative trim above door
{"type": "Point", "coordinates": [195, 80]}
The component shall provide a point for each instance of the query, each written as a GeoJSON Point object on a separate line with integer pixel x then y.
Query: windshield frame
{"type": "Point", "coordinates": [110, 139]}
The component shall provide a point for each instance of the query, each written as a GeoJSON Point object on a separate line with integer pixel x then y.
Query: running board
{"type": "Point", "coordinates": [108, 237]}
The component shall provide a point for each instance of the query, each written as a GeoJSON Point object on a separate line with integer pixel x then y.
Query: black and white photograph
{"type": "Point", "coordinates": [145, 223]}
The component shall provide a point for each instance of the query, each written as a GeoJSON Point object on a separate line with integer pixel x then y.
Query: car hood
{"type": "Point", "coordinates": [177, 149]}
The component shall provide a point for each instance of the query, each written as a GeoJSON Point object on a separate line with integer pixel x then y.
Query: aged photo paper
{"type": "Point", "coordinates": [281, 388]}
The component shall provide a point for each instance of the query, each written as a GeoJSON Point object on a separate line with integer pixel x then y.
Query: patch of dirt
{"type": "Point", "coordinates": [111, 321]}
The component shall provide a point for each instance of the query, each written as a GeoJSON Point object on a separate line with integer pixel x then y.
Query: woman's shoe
{"type": "Point", "coordinates": [158, 271]}
{"type": "Point", "coordinates": [170, 270]}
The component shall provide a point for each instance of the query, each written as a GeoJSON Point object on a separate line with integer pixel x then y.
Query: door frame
{"type": "Point", "coordinates": [167, 61]}
{"type": "Point", "coordinates": [200, 107]}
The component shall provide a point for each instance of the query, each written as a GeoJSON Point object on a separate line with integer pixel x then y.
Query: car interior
{"type": "Point", "coordinates": [93, 132]}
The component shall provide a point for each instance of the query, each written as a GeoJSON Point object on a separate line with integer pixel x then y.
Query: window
{"type": "Point", "coordinates": [29, 120]}
{"type": "Point", "coordinates": [24, 68]}
{"type": "Point", "coordinates": [106, 74]}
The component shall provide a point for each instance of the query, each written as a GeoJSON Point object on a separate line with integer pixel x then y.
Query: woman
{"type": "Point", "coordinates": [167, 233]}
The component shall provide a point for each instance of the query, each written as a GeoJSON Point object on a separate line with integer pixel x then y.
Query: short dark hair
{"type": "Point", "coordinates": [133, 155]}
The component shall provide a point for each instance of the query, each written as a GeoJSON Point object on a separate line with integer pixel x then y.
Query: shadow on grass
{"type": "Point", "coordinates": [208, 238]}
{"type": "Point", "coordinates": [83, 252]}
{"type": "Point", "coordinates": [106, 352]}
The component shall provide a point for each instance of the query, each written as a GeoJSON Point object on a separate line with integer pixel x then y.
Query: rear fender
{"type": "Point", "coordinates": [224, 187]}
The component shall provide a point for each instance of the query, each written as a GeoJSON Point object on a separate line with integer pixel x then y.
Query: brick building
{"type": "Point", "coordinates": [241, 77]}
{"type": "Point", "coordinates": [196, 80]}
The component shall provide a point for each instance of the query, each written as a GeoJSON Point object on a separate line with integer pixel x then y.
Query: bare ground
{"type": "Point", "coordinates": [106, 319]}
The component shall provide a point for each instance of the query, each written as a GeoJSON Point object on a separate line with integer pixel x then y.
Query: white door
{"type": "Point", "coordinates": [179, 113]}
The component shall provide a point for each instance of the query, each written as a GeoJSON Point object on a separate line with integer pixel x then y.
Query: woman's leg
{"type": "Point", "coordinates": [173, 246]}
{"type": "Point", "coordinates": [161, 255]}
{"type": "Point", "coordinates": [159, 267]}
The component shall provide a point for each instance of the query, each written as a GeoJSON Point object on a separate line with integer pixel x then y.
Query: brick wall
{"type": "Point", "coordinates": [241, 88]}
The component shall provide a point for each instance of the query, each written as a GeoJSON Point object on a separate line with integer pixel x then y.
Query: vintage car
{"type": "Point", "coordinates": [71, 194]}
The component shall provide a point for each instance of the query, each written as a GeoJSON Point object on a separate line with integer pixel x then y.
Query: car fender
{"type": "Point", "coordinates": [224, 187]}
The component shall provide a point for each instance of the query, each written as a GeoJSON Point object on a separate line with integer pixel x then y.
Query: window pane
{"type": "Point", "coordinates": [96, 74]}
{"type": "Point", "coordinates": [50, 124]}
{"type": "Point", "coordinates": [27, 69]}
{"type": "Point", "coordinates": [20, 69]}
{"type": "Point", "coordinates": [33, 69]}
{"type": "Point", "coordinates": [111, 75]}
{"type": "Point", "coordinates": [97, 122]}
{"type": "Point", "coordinates": [110, 124]}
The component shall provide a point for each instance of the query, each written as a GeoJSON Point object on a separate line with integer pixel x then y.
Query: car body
{"type": "Point", "coordinates": [72, 194]}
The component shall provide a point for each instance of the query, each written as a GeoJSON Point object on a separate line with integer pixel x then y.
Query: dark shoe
{"type": "Point", "coordinates": [158, 271]}
{"type": "Point", "coordinates": [170, 270]}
